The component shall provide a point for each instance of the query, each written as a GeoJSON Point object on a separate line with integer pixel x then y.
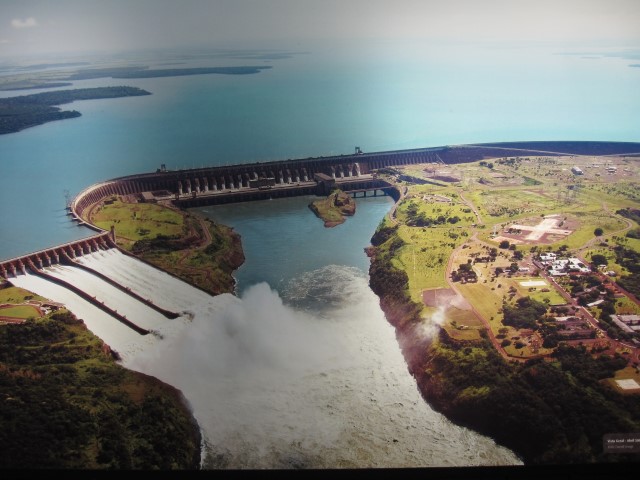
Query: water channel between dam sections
{"type": "Point", "coordinates": [300, 369]}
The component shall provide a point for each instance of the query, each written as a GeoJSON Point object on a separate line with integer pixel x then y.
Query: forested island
{"type": "Point", "coordinates": [62, 79]}
{"type": "Point", "coordinates": [333, 209]}
{"type": "Point", "coordinates": [181, 72]}
{"type": "Point", "coordinates": [18, 113]}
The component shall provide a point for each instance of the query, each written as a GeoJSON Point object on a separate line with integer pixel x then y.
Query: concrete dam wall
{"type": "Point", "coordinates": [255, 181]}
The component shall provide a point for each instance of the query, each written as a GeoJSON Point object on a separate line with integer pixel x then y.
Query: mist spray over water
{"type": "Point", "coordinates": [311, 379]}
{"type": "Point", "coordinates": [431, 324]}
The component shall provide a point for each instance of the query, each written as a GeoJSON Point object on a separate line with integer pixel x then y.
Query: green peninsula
{"type": "Point", "coordinates": [18, 113]}
{"type": "Point", "coordinates": [51, 79]}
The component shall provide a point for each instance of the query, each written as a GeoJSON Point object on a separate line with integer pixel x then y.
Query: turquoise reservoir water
{"type": "Point", "coordinates": [312, 104]}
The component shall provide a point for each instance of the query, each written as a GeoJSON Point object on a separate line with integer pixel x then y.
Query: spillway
{"type": "Point", "coordinates": [118, 336]}
{"type": "Point", "coordinates": [145, 280]}
{"type": "Point", "coordinates": [133, 310]}
{"type": "Point", "coordinates": [150, 283]}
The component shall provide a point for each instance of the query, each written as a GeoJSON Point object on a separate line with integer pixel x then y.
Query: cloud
{"type": "Point", "coordinates": [26, 23]}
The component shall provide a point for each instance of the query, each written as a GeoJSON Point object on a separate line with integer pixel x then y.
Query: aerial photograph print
{"type": "Point", "coordinates": [320, 237]}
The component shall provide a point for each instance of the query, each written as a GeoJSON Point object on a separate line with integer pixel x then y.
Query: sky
{"type": "Point", "coordinates": [67, 26]}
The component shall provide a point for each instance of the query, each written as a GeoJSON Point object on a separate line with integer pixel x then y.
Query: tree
{"type": "Point", "coordinates": [598, 232]}
{"type": "Point", "coordinates": [465, 267]}
{"type": "Point", "coordinates": [599, 259]}
{"type": "Point", "coordinates": [504, 244]}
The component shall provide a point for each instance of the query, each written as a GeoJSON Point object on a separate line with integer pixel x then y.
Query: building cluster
{"type": "Point", "coordinates": [562, 266]}
{"type": "Point", "coordinates": [574, 328]}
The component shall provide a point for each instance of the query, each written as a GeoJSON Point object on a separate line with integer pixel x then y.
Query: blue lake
{"type": "Point", "coordinates": [313, 104]}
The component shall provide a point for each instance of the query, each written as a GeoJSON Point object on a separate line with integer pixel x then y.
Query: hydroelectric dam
{"type": "Point", "coordinates": [188, 188]}
{"type": "Point", "coordinates": [353, 173]}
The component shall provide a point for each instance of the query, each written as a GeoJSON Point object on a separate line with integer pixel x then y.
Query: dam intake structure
{"type": "Point", "coordinates": [353, 173]}
{"type": "Point", "coordinates": [253, 181]}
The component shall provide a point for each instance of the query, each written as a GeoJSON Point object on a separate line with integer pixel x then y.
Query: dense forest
{"type": "Point", "coordinates": [66, 404]}
{"type": "Point", "coordinates": [18, 113]}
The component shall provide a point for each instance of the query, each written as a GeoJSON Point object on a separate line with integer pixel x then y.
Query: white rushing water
{"type": "Point", "coordinates": [314, 379]}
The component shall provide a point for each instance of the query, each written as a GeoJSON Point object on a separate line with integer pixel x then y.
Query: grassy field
{"type": "Point", "coordinates": [425, 256]}
{"type": "Point", "coordinates": [462, 324]}
{"type": "Point", "coordinates": [195, 249]}
{"type": "Point", "coordinates": [10, 294]}
{"type": "Point", "coordinates": [20, 311]}
{"type": "Point", "coordinates": [138, 221]}
{"type": "Point", "coordinates": [508, 204]}
{"type": "Point", "coordinates": [432, 206]}
{"type": "Point", "coordinates": [552, 297]}
{"type": "Point", "coordinates": [624, 306]}
{"type": "Point", "coordinates": [485, 298]}
{"type": "Point", "coordinates": [589, 221]}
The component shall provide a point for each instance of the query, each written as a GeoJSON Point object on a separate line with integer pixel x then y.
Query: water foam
{"type": "Point", "coordinates": [318, 383]}
{"type": "Point", "coordinates": [313, 378]}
